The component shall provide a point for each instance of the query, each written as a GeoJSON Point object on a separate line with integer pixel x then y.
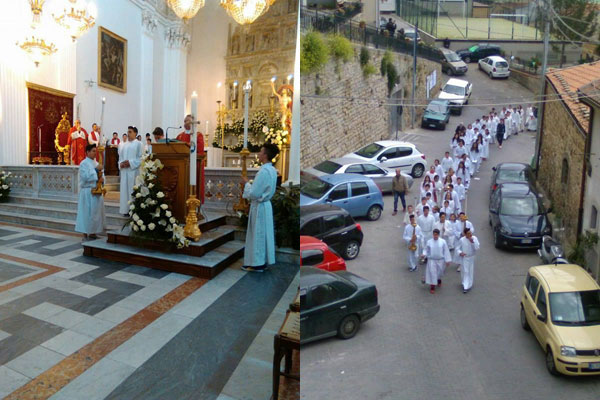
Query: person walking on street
{"type": "Point", "coordinates": [438, 256]}
{"type": "Point", "coordinates": [399, 188]}
{"type": "Point", "coordinates": [467, 247]}
{"type": "Point", "coordinates": [500, 129]}
{"type": "Point", "coordinates": [413, 238]}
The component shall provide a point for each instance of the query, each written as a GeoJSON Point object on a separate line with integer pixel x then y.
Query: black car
{"type": "Point", "coordinates": [333, 225]}
{"type": "Point", "coordinates": [517, 216]}
{"type": "Point", "coordinates": [478, 51]}
{"type": "Point", "coordinates": [512, 172]}
{"type": "Point", "coordinates": [334, 303]}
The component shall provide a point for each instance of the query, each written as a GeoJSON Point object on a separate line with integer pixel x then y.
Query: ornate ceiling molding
{"type": "Point", "coordinates": [177, 37]}
{"type": "Point", "coordinates": [149, 21]}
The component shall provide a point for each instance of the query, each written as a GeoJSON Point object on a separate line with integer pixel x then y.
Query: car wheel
{"type": "Point", "coordinates": [443, 126]}
{"type": "Point", "coordinates": [460, 110]}
{"type": "Point", "coordinates": [349, 326]}
{"type": "Point", "coordinates": [423, 125]}
{"type": "Point", "coordinates": [479, 66]}
{"type": "Point", "coordinates": [467, 59]}
{"type": "Point", "coordinates": [450, 72]}
{"type": "Point", "coordinates": [497, 243]}
{"type": "Point", "coordinates": [374, 213]}
{"type": "Point", "coordinates": [417, 171]}
{"type": "Point", "coordinates": [550, 364]}
{"type": "Point", "coordinates": [351, 250]}
{"type": "Point", "coordinates": [524, 323]}
{"type": "Point", "coordinates": [491, 75]}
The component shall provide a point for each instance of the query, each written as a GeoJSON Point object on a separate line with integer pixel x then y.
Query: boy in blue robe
{"type": "Point", "coordinates": [90, 208]}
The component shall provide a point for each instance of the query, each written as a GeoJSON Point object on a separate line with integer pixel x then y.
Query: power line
{"type": "Point", "coordinates": [551, 7]}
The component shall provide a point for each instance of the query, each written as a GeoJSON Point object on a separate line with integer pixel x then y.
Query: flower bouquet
{"type": "Point", "coordinates": [4, 186]}
{"type": "Point", "coordinates": [150, 217]}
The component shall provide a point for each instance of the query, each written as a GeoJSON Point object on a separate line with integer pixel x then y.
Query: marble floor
{"type": "Point", "coordinates": [73, 327]}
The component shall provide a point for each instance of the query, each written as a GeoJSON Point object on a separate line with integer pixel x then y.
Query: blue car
{"type": "Point", "coordinates": [357, 194]}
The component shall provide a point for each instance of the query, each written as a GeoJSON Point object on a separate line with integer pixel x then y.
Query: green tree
{"type": "Point", "coordinates": [314, 53]}
{"type": "Point", "coordinates": [579, 15]}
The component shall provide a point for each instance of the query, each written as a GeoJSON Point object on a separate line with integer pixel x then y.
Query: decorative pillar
{"type": "Point", "coordinates": [149, 25]}
{"type": "Point", "coordinates": [294, 162]}
{"type": "Point", "coordinates": [174, 87]}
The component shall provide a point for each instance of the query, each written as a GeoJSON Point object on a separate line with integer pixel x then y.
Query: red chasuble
{"type": "Point", "coordinates": [94, 138]}
{"type": "Point", "coordinates": [77, 141]}
{"type": "Point", "coordinates": [115, 141]}
{"type": "Point", "coordinates": [186, 137]}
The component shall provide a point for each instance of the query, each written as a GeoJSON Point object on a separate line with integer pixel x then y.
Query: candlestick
{"type": "Point", "coordinates": [193, 142]}
{"type": "Point", "coordinates": [247, 88]}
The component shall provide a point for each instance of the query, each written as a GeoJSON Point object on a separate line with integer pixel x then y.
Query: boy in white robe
{"type": "Point", "coordinates": [426, 222]}
{"type": "Point", "coordinates": [447, 163]}
{"type": "Point", "coordinates": [130, 159]}
{"type": "Point", "coordinates": [413, 231]}
{"type": "Point", "coordinates": [446, 230]}
{"type": "Point", "coordinates": [467, 248]}
{"type": "Point", "coordinates": [259, 251]}
{"type": "Point", "coordinates": [90, 207]}
{"type": "Point", "coordinates": [438, 257]}
{"type": "Point", "coordinates": [407, 214]}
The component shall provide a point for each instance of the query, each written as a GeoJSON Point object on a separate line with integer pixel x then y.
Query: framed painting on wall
{"type": "Point", "coordinates": [112, 60]}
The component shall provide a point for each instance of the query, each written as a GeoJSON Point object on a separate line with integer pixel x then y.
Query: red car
{"type": "Point", "coordinates": [315, 253]}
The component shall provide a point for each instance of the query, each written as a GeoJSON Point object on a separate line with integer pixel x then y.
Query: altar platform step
{"type": "Point", "coordinates": [219, 246]}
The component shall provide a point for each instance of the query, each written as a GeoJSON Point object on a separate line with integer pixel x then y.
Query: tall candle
{"type": "Point", "coordinates": [206, 132]}
{"type": "Point", "coordinates": [101, 142]}
{"type": "Point", "coordinates": [193, 141]}
{"type": "Point", "coordinates": [247, 88]}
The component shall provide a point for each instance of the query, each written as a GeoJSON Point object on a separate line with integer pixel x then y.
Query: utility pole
{"type": "Point", "coordinates": [414, 85]}
{"type": "Point", "coordinates": [542, 90]}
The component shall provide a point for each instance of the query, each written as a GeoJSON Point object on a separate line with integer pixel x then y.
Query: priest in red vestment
{"type": "Point", "coordinates": [185, 136]}
{"type": "Point", "coordinates": [78, 139]}
{"type": "Point", "coordinates": [94, 138]}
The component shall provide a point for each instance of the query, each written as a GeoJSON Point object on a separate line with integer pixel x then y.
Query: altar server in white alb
{"type": "Point", "coordinates": [130, 158]}
{"type": "Point", "coordinates": [260, 235]}
{"type": "Point", "coordinates": [90, 207]}
{"type": "Point", "coordinates": [413, 238]}
{"type": "Point", "coordinates": [438, 257]}
{"type": "Point", "coordinates": [467, 247]}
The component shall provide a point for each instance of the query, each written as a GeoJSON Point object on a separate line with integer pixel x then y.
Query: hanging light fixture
{"type": "Point", "coordinates": [246, 11]}
{"type": "Point", "coordinates": [36, 9]}
{"type": "Point", "coordinates": [185, 9]}
{"type": "Point", "coordinates": [37, 48]}
{"type": "Point", "coordinates": [76, 18]}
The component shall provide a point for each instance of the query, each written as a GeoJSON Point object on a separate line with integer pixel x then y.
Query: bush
{"type": "Point", "coordinates": [314, 53]}
{"type": "Point", "coordinates": [582, 245]}
{"type": "Point", "coordinates": [286, 215]}
{"type": "Point", "coordinates": [369, 70]}
{"type": "Point", "coordinates": [364, 56]}
{"type": "Point", "coordinates": [392, 75]}
{"type": "Point", "coordinates": [385, 60]}
{"type": "Point", "coordinates": [340, 48]}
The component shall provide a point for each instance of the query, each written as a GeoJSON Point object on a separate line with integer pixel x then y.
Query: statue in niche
{"type": "Point", "coordinates": [233, 96]}
{"type": "Point", "coordinates": [284, 95]}
{"type": "Point", "coordinates": [267, 40]}
{"type": "Point", "coordinates": [235, 44]}
{"type": "Point", "coordinates": [249, 43]}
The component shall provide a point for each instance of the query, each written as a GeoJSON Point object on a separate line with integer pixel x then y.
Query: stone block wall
{"type": "Point", "coordinates": [562, 139]}
{"type": "Point", "coordinates": [351, 111]}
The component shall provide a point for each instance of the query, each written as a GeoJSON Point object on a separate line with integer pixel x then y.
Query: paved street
{"type": "Point", "coordinates": [448, 345]}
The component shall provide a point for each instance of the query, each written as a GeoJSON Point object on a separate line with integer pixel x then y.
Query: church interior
{"type": "Point", "coordinates": [158, 304]}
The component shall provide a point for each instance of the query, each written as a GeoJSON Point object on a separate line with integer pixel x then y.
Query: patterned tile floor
{"type": "Point", "coordinates": [73, 327]}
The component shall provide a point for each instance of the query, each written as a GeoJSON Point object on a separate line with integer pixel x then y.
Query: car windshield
{"type": "Point", "coordinates": [519, 206]}
{"type": "Point", "coordinates": [452, 57]}
{"type": "Point", "coordinates": [501, 64]}
{"type": "Point", "coordinates": [436, 108]}
{"type": "Point", "coordinates": [329, 167]}
{"type": "Point", "coordinates": [473, 48]}
{"type": "Point", "coordinates": [512, 175]}
{"type": "Point", "coordinates": [315, 188]}
{"type": "Point", "coordinates": [369, 151]}
{"type": "Point", "coordinates": [452, 89]}
{"type": "Point", "coordinates": [575, 308]}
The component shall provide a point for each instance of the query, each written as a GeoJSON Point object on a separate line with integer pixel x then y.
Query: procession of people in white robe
{"type": "Point", "coordinates": [130, 159]}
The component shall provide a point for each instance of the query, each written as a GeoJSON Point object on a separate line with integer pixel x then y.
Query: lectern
{"type": "Point", "coordinates": [175, 176]}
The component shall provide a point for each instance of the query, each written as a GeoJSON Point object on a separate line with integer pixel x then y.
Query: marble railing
{"type": "Point", "coordinates": [223, 188]}
{"type": "Point", "coordinates": [51, 181]}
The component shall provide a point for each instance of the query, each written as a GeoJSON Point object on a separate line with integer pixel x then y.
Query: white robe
{"type": "Point", "coordinates": [446, 232]}
{"type": "Point", "coordinates": [531, 121]}
{"type": "Point", "coordinates": [131, 151]}
{"type": "Point", "coordinates": [260, 234]}
{"type": "Point", "coordinates": [459, 151]}
{"type": "Point", "coordinates": [446, 164]}
{"type": "Point", "coordinates": [426, 224]}
{"type": "Point", "coordinates": [438, 255]}
{"type": "Point", "coordinates": [90, 208]}
{"type": "Point", "coordinates": [485, 148]}
{"type": "Point", "coordinates": [468, 260]}
{"type": "Point", "coordinates": [508, 124]}
{"type": "Point", "coordinates": [439, 170]}
{"type": "Point", "coordinates": [413, 256]}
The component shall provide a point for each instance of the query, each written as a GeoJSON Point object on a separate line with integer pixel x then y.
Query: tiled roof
{"type": "Point", "coordinates": [567, 81]}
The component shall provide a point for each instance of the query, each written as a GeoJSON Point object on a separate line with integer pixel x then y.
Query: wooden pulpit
{"type": "Point", "coordinates": [175, 176]}
{"type": "Point", "coordinates": [111, 163]}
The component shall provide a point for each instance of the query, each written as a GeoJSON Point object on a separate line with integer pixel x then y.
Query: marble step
{"type": "Point", "coordinates": [44, 222]}
{"type": "Point", "coordinates": [111, 179]}
{"type": "Point", "coordinates": [207, 266]}
{"type": "Point", "coordinates": [110, 207]}
{"type": "Point", "coordinates": [58, 213]}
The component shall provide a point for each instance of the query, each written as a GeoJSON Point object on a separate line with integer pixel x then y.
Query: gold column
{"type": "Point", "coordinates": [191, 229]}
{"type": "Point", "coordinates": [222, 113]}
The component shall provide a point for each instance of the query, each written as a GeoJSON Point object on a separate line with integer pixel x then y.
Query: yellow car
{"type": "Point", "coordinates": [561, 305]}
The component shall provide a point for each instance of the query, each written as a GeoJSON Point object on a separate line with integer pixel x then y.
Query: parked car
{"type": "Point", "coordinates": [495, 67]}
{"type": "Point", "coordinates": [561, 305]}
{"type": "Point", "coordinates": [479, 51]}
{"type": "Point", "coordinates": [357, 194]}
{"type": "Point", "coordinates": [410, 35]}
{"type": "Point", "coordinates": [512, 172]}
{"type": "Point", "coordinates": [392, 154]}
{"type": "Point", "coordinates": [316, 253]}
{"type": "Point", "coordinates": [436, 115]}
{"type": "Point", "coordinates": [334, 304]}
{"type": "Point", "coordinates": [334, 226]}
{"type": "Point", "coordinates": [452, 64]}
{"type": "Point", "coordinates": [457, 92]}
{"type": "Point", "coordinates": [382, 176]}
{"type": "Point", "coordinates": [517, 216]}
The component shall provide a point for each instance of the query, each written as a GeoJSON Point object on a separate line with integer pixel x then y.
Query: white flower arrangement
{"type": "Point", "coordinates": [4, 185]}
{"type": "Point", "coordinates": [149, 215]}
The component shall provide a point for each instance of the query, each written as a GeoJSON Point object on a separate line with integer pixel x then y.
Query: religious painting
{"type": "Point", "coordinates": [112, 60]}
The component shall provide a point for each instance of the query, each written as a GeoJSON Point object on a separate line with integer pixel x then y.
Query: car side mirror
{"type": "Point", "coordinates": [542, 318]}
{"type": "Point", "coordinates": [382, 159]}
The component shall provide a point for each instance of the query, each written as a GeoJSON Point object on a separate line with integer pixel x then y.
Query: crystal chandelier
{"type": "Point", "coordinates": [36, 9]}
{"type": "Point", "coordinates": [246, 11]}
{"type": "Point", "coordinates": [37, 48]}
{"type": "Point", "coordinates": [76, 18]}
{"type": "Point", "coordinates": [185, 9]}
